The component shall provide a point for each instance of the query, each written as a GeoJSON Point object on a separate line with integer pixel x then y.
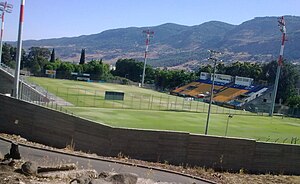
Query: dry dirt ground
{"type": "Point", "coordinates": [7, 174]}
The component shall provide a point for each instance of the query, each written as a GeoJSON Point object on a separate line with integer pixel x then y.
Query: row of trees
{"type": "Point", "coordinates": [9, 55]}
{"type": "Point", "coordinates": [96, 68]}
{"type": "Point", "coordinates": [162, 78]}
{"type": "Point", "coordinates": [37, 60]}
{"type": "Point", "coordinates": [169, 79]}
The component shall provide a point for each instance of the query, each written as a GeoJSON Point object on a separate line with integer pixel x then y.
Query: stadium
{"type": "Point", "coordinates": [229, 91]}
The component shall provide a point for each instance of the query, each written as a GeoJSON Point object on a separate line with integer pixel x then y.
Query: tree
{"type": "Point", "coordinates": [9, 55]}
{"type": "Point", "coordinates": [221, 68]}
{"type": "Point", "coordinates": [52, 66]}
{"type": "Point", "coordinates": [236, 69]}
{"type": "Point", "coordinates": [65, 69]}
{"type": "Point", "coordinates": [129, 68]}
{"type": "Point", "coordinates": [78, 68]}
{"type": "Point", "coordinates": [244, 69]}
{"type": "Point", "coordinates": [294, 101]}
{"type": "Point", "coordinates": [6, 54]}
{"type": "Point", "coordinates": [149, 75]}
{"type": "Point", "coordinates": [287, 81]}
{"type": "Point", "coordinates": [37, 56]}
{"type": "Point", "coordinates": [169, 79]}
{"type": "Point", "coordinates": [52, 59]}
{"type": "Point", "coordinates": [162, 78]}
{"type": "Point", "coordinates": [289, 78]}
{"type": "Point", "coordinates": [82, 57]}
{"type": "Point", "coordinates": [95, 69]}
{"type": "Point", "coordinates": [36, 69]}
{"type": "Point", "coordinates": [208, 68]}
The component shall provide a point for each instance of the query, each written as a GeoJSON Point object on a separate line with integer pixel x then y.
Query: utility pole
{"type": "Point", "coordinates": [19, 51]}
{"type": "Point", "coordinates": [4, 8]}
{"type": "Point", "coordinates": [148, 35]}
{"type": "Point", "coordinates": [281, 24]}
{"type": "Point", "coordinates": [212, 58]}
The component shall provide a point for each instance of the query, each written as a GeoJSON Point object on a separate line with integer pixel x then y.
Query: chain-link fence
{"type": "Point", "coordinates": [60, 98]}
{"type": "Point", "coordinates": [81, 97]}
{"type": "Point", "coordinates": [287, 140]}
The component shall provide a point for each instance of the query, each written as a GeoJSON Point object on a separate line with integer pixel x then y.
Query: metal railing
{"type": "Point", "coordinates": [27, 91]}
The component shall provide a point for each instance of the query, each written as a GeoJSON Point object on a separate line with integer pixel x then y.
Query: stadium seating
{"type": "Point", "coordinates": [202, 89]}
{"type": "Point", "coordinates": [256, 89]}
{"type": "Point", "coordinates": [181, 90]}
{"type": "Point", "coordinates": [228, 94]}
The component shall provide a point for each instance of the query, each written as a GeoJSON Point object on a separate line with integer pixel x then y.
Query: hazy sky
{"type": "Point", "coordinates": [66, 18]}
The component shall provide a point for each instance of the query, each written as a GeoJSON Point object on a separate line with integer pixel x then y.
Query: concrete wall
{"type": "Point", "coordinates": [6, 83]}
{"type": "Point", "coordinates": [56, 129]}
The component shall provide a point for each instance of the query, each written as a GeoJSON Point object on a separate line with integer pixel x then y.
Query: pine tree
{"type": "Point", "coordinates": [82, 57]}
{"type": "Point", "coordinates": [52, 59]}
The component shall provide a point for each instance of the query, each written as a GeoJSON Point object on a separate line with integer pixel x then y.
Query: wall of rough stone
{"type": "Point", "coordinates": [57, 129]}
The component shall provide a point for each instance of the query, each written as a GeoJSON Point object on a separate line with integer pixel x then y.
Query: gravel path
{"type": "Point", "coordinates": [146, 175]}
{"type": "Point", "coordinates": [218, 177]}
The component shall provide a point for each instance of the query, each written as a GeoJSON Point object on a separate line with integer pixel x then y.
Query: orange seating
{"type": "Point", "coordinates": [228, 94]}
{"type": "Point", "coordinates": [202, 89]}
{"type": "Point", "coordinates": [181, 89]}
{"type": "Point", "coordinates": [193, 89]}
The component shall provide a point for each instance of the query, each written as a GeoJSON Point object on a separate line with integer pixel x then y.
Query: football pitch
{"type": "Point", "coordinates": [149, 109]}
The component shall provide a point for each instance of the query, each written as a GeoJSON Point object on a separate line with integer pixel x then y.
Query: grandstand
{"type": "Point", "coordinates": [228, 90]}
{"type": "Point", "coordinates": [202, 89]}
{"type": "Point", "coordinates": [228, 94]}
{"type": "Point", "coordinates": [195, 89]}
{"type": "Point", "coordinates": [252, 94]}
{"type": "Point", "coordinates": [181, 90]}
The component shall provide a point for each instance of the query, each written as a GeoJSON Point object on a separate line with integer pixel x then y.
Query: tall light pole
{"type": "Point", "coordinates": [149, 34]}
{"type": "Point", "coordinates": [19, 51]}
{"type": "Point", "coordinates": [4, 8]}
{"type": "Point", "coordinates": [212, 58]}
{"type": "Point", "coordinates": [281, 24]}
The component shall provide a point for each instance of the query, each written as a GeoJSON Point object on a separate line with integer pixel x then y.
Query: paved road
{"type": "Point", "coordinates": [43, 157]}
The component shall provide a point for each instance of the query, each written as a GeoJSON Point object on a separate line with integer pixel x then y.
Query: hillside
{"type": "Point", "coordinates": [254, 40]}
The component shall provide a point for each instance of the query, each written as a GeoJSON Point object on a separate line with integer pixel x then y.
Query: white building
{"type": "Point", "coordinates": [243, 81]}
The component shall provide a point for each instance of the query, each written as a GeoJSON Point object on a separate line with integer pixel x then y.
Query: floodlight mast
{"type": "Point", "coordinates": [19, 52]}
{"type": "Point", "coordinates": [212, 53]}
{"type": "Point", "coordinates": [4, 8]}
{"type": "Point", "coordinates": [281, 24]}
{"type": "Point", "coordinates": [148, 35]}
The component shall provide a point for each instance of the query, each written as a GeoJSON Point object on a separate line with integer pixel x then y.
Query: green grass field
{"type": "Point", "coordinates": [187, 116]}
{"type": "Point", "coordinates": [87, 94]}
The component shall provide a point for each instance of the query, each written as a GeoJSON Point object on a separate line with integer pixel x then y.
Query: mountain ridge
{"type": "Point", "coordinates": [256, 40]}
